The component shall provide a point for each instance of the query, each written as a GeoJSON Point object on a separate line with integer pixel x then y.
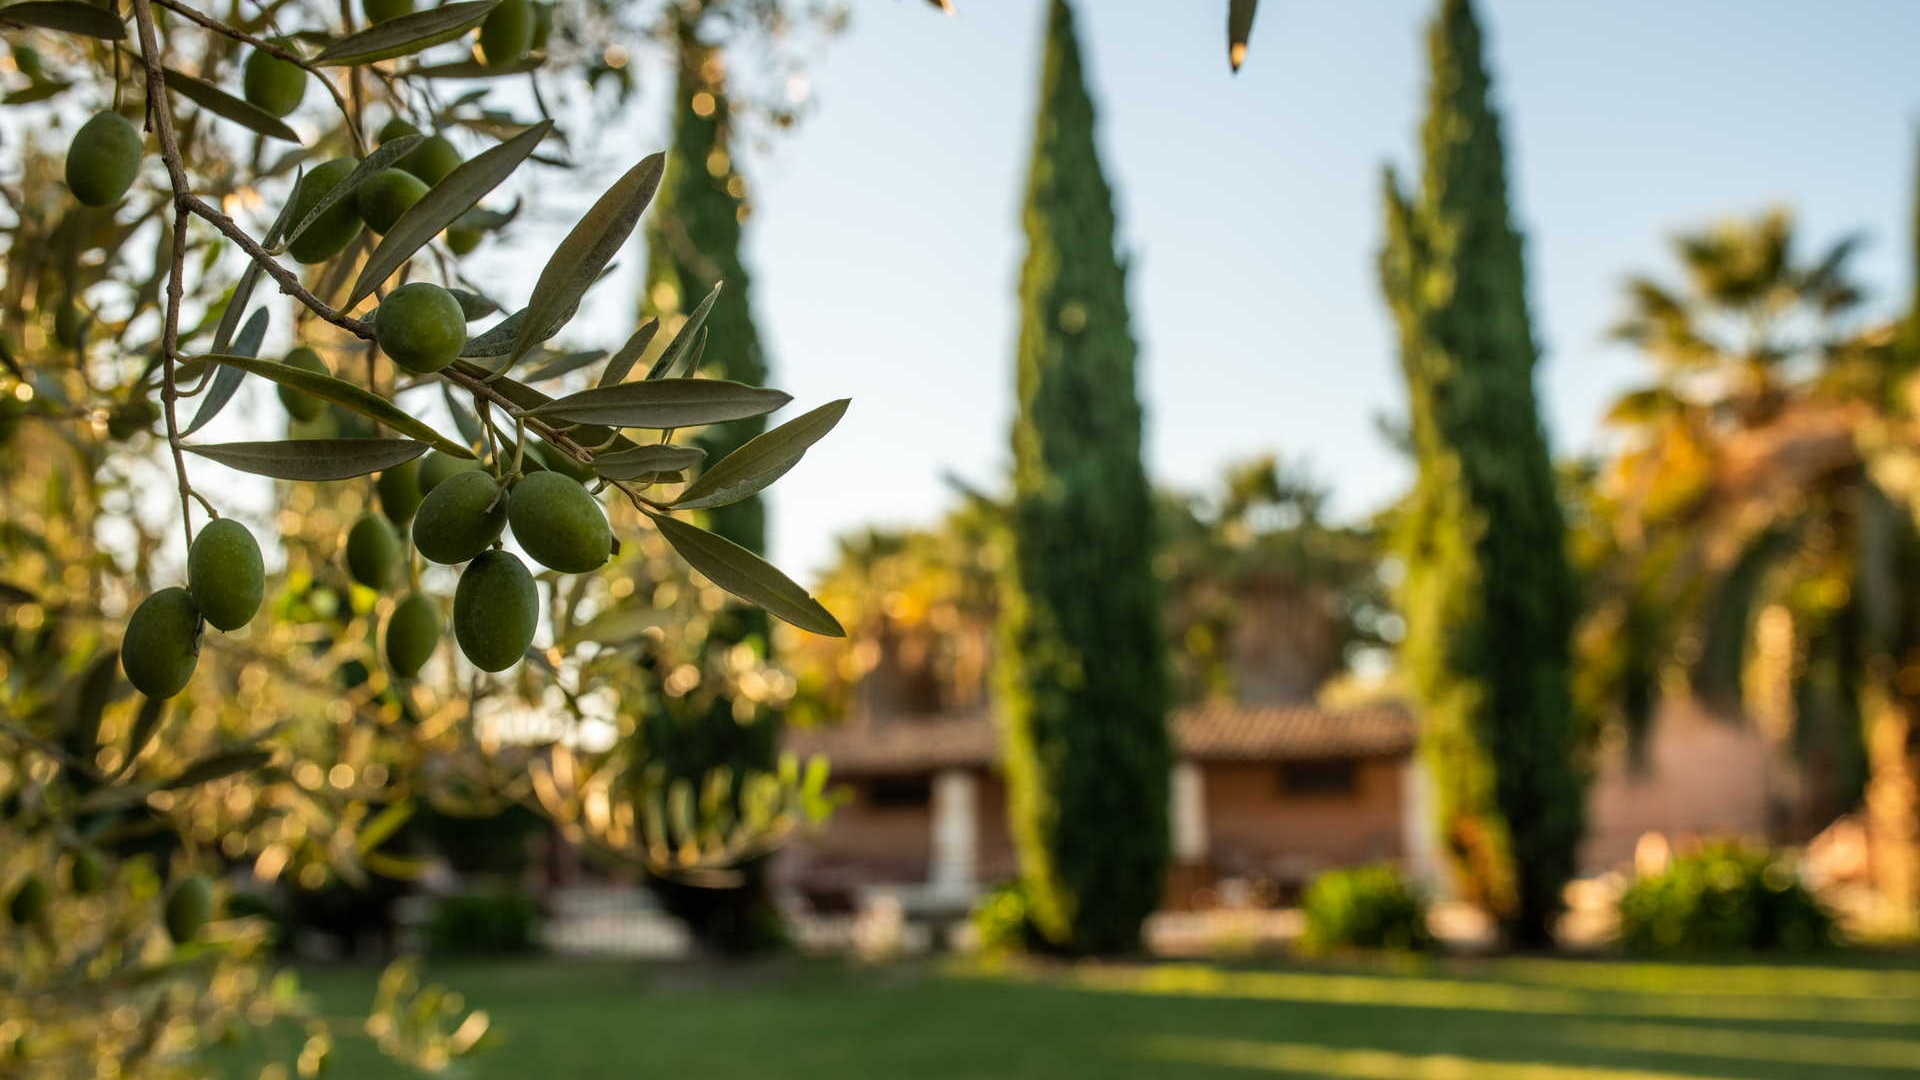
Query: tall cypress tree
{"type": "Point", "coordinates": [1488, 596]}
{"type": "Point", "coordinates": [693, 243]}
{"type": "Point", "coordinates": [1083, 682]}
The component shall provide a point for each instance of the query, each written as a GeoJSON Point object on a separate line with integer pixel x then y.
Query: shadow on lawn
{"type": "Point", "coordinates": [1501, 1019]}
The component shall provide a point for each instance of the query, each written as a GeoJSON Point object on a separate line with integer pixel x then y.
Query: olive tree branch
{"type": "Point", "coordinates": [160, 119]}
{"type": "Point", "coordinates": [291, 57]}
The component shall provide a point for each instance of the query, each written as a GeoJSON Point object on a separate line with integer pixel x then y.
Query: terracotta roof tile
{"type": "Point", "coordinates": [1223, 732]}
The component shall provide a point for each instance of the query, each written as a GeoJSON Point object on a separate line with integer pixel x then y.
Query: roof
{"type": "Point", "coordinates": [1218, 732]}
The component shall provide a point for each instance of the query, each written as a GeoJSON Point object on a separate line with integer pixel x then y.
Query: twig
{"type": "Point", "coordinates": [160, 118]}
{"type": "Point", "coordinates": [291, 57]}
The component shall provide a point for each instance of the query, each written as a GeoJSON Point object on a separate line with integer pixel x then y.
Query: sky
{"type": "Point", "coordinates": [886, 244]}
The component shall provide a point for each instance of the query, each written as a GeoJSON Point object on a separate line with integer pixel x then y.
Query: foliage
{"type": "Point", "coordinates": [480, 922]}
{"type": "Point", "coordinates": [1487, 595]}
{"type": "Point", "coordinates": [1367, 907]}
{"type": "Point", "coordinates": [1723, 898]}
{"type": "Point", "coordinates": [1083, 674]}
{"type": "Point", "coordinates": [1002, 920]}
{"type": "Point", "coordinates": [695, 276]}
{"type": "Point", "coordinates": [1750, 525]}
{"type": "Point", "coordinates": [292, 753]}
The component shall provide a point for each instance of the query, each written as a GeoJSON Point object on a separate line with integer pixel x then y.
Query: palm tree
{"type": "Point", "coordinates": [1742, 536]}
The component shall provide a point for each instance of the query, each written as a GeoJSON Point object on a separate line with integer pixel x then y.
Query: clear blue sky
{"type": "Point", "coordinates": [886, 244]}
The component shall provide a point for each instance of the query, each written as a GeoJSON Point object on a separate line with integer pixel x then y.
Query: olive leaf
{"type": "Point", "coordinates": [71, 16]}
{"type": "Point", "coordinates": [92, 693]}
{"type": "Point", "coordinates": [220, 103]}
{"type": "Point", "coordinates": [312, 459]}
{"type": "Point", "coordinates": [642, 460]}
{"type": "Point", "coordinates": [405, 34]}
{"type": "Point", "coordinates": [565, 364]}
{"type": "Point", "coordinates": [1239, 28]}
{"type": "Point", "coordinates": [346, 395]}
{"type": "Point", "coordinates": [443, 205]}
{"type": "Point", "coordinates": [576, 264]}
{"type": "Point", "coordinates": [227, 380]}
{"type": "Point", "coordinates": [146, 724]}
{"type": "Point", "coordinates": [765, 458]}
{"type": "Point", "coordinates": [747, 576]}
{"type": "Point", "coordinates": [665, 403]}
{"type": "Point", "coordinates": [249, 277]}
{"type": "Point", "coordinates": [482, 218]}
{"type": "Point", "coordinates": [498, 340]}
{"type": "Point", "coordinates": [39, 91]}
{"type": "Point", "coordinates": [473, 305]}
{"type": "Point", "coordinates": [463, 417]}
{"type": "Point", "coordinates": [383, 155]}
{"type": "Point", "coordinates": [216, 765]}
{"type": "Point", "coordinates": [472, 69]}
{"type": "Point", "coordinates": [526, 398]}
{"type": "Point", "coordinates": [683, 341]}
{"type": "Point", "coordinates": [622, 363]}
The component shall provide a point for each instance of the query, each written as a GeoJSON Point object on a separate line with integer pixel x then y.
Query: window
{"type": "Point", "coordinates": [1319, 779]}
{"type": "Point", "coordinates": [899, 792]}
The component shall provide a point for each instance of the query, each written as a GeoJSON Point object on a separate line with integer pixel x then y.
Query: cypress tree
{"type": "Point", "coordinates": [693, 243]}
{"type": "Point", "coordinates": [1487, 596]}
{"type": "Point", "coordinates": [1083, 684]}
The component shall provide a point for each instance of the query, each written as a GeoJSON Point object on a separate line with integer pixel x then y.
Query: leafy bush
{"type": "Point", "coordinates": [1001, 921]}
{"type": "Point", "coordinates": [1369, 907]}
{"type": "Point", "coordinates": [483, 922]}
{"type": "Point", "coordinates": [1723, 898]}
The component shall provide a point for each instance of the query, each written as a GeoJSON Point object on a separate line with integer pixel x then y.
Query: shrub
{"type": "Point", "coordinates": [1723, 898]}
{"type": "Point", "coordinates": [1001, 920]}
{"type": "Point", "coordinates": [1369, 907]}
{"type": "Point", "coordinates": [483, 922]}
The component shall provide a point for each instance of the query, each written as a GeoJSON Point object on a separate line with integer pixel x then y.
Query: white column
{"type": "Point", "coordinates": [1417, 827]}
{"type": "Point", "coordinates": [955, 833]}
{"type": "Point", "coordinates": [1189, 813]}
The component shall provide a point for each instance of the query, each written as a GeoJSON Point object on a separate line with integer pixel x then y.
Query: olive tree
{"type": "Point", "coordinates": [197, 688]}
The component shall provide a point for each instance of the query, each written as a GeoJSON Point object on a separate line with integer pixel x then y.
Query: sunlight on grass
{"type": "Point", "coordinates": [1846, 1052]}
{"type": "Point", "coordinates": [1199, 980]}
{"type": "Point", "coordinates": [1728, 979]}
{"type": "Point", "coordinates": [1313, 1060]}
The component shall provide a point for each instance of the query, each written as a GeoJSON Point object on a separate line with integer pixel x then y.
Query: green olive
{"type": "Point", "coordinates": [399, 491]}
{"type": "Point", "coordinates": [421, 326]}
{"type": "Point", "coordinates": [413, 632]}
{"type": "Point", "coordinates": [374, 555]}
{"type": "Point", "coordinates": [189, 907]}
{"type": "Point", "coordinates": [386, 195]}
{"type": "Point", "coordinates": [542, 26]}
{"type": "Point", "coordinates": [496, 609]}
{"type": "Point", "coordinates": [395, 128]}
{"type": "Point", "coordinates": [432, 160]}
{"type": "Point", "coordinates": [87, 872]}
{"type": "Point", "coordinates": [276, 86]}
{"type": "Point", "coordinates": [559, 524]}
{"type": "Point", "coordinates": [462, 239]}
{"type": "Point", "coordinates": [333, 230]}
{"type": "Point", "coordinates": [437, 466]}
{"type": "Point", "coordinates": [130, 418]}
{"type": "Point", "coordinates": [28, 904]}
{"type": "Point", "coordinates": [460, 518]}
{"type": "Point", "coordinates": [103, 159]}
{"type": "Point", "coordinates": [225, 574]}
{"type": "Point", "coordinates": [299, 404]}
{"type": "Point", "coordinates": [162, 643]}
{"type": "Point", "coordinates": [508, 32]}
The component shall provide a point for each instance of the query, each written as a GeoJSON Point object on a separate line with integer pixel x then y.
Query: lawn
{"type": "Point", "coordinates": [1507, 1019]}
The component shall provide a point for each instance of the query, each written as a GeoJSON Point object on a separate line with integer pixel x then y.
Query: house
{"type": "Point", "coordinates": [1265, 795]}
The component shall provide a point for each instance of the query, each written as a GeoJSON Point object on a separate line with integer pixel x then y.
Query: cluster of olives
{"type": "Point", "coordinates": [225, 581]}
{"type": "Point", "coordinates": [188, 908]}
{"type": "Point", "coordinates": [458, 512]}
{"type": "Point", "coordinates": [512, 29]}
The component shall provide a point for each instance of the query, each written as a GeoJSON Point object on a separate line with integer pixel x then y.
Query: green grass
{"type": "Point", "coordinates": [1509, 1019]}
